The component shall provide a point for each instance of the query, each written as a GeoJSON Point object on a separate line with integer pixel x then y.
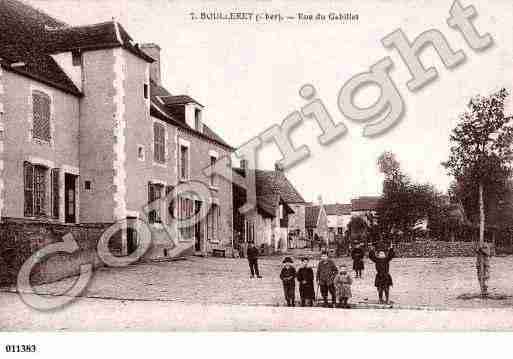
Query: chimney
{"type": "Point", "coordinates": [278, 167]}
{"type": "Point", "coordinates": [243, 166]}
{"type": "Point", "coordinates": [153, 50]}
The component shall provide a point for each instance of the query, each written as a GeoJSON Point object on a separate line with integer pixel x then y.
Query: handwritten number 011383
{"type": "Point", "coordinates": [29, 348]}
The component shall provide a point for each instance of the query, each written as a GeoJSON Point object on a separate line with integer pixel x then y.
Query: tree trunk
{"type": "Point", "coordinates": [482, 269]}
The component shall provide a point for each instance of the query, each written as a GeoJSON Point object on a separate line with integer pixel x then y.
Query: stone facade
{"type": "Point", "coordinates": [22, 238]}
{"type": "Point", "coordinates": [437, 249]}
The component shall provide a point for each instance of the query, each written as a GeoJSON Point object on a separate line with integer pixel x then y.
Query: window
{"type": "Point", "coordinates": [184, 162]}
{"type": "Point", "coordinates": [185, 211]}
{"type": "Point", "coordinates": [41, 116]}
{"type": "Point", "coordinates": [159, 141]}
{"type": "Point", "coordinates": [213, 217]}
{"type": "Point", "coordinates": [88, 185]}
{"type": "Point", "coordinates": [197, 119]}
{"type": "Point", "coordinates": [154, 194]}
{"type": "Point", "coordinates": [213, 160]}
{"type": "Point", "coordinates": [76, 58]}
{"type": "Point", "coordinates": [146, 91]}
{"type": "Point", "coordinates": [35, 190]}
{"type": "Point", "coordinates": [55, 192]}
{"type": "Point", "coordinates": [140, 153]}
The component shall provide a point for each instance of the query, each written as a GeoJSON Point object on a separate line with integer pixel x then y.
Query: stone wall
{"type": "Point", "coordinates": [20, 239]}
{"type": "Point", "coordinates": [436, 249]}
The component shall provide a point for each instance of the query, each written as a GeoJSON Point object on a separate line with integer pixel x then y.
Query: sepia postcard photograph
{"type": "Point", "coordinates": [248, 166]}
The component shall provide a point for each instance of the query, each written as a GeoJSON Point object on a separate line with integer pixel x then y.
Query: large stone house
{"type": "Point", "coordinates": [269, 223]}
{"type": "Point", "coordinates": [89, 134]}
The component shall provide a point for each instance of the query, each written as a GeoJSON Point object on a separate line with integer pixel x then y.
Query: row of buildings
{"type": "Point", "coordinates": [89, 134]}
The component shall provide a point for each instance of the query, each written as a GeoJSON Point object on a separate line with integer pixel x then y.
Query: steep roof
{"type": "Point", "coordinates": [163, 112]}
{"type": "Point", "coordinates": [365, 203]}
{"type": "Point", "coordinates": [275, 182]}
{"type": "Point", "coordinates": [311, 215]}
{"type": "Point", "coordinates": [30, 36]}
{"type": "Point", "coordinates": [267, 205]}
{"type": "Point", "coordinates": [337, 209]}
{"type": "Point", "coordinates": [178, 100]}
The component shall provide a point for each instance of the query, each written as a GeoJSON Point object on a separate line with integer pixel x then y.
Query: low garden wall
{"type": "Point", "coordinates": [437, 249]}
{"type": "Point", "coordinates": [19, 239]}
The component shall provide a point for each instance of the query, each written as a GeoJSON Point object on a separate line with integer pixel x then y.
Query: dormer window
{"type": "Point", "coordinates": [76, 58]}
{"type": "Point", "coordinates": [197, 120]}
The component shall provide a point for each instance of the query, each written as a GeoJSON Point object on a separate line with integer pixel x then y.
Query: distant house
{"type": "Point", "coordinates": [268, 223]}
{"type": "Point", "coordinates": [339, 216]}
{"type": "Point", "coordinates": [364, 205]}
{"type": "Point", "coordinates": [316, 221]}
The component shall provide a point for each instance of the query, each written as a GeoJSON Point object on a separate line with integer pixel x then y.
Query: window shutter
{"type": "Point", "coordinates": [55, 192]}
{"type": "Point", "coordinates": [28, 176]}
{"type": "Point", "coordinates": [41, 116]}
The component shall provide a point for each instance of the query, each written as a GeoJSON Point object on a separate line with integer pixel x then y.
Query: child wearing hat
{"type": "Point", "coordinates": [343, 283]}
{"type": "Point", "coordinates": [305, 277]}
{"type": "Point", "coordinates": [288, 277]}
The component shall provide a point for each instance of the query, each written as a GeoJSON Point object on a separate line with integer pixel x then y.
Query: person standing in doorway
{"type": "Point", "coordinates": [252, 255]}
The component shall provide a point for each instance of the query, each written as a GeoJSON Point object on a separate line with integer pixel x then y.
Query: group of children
{"type": "Point", "coordinates": [336, 282]}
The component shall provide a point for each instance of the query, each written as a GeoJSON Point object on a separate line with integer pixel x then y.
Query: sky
{"type": "Point", "coordinates": [248, 76]}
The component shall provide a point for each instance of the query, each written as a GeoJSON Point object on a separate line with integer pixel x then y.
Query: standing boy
{"type": "Point", "coordinates": [288, 277]}
{"type": "Point", "coordinates": [305, 277]}
{"type": "Point", "coordinates": [326, 272]}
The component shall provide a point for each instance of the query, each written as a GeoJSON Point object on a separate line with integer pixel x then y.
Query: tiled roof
{"type": "Point", "coordinates": [178, 100]}
{"type": "Point", "coordinates": [164, 113]}
{"type": "Point", "coordinates": [275, 182]}
{"type": "Point", "coordinates": [311, 215]}
{"type": "Point", "coordinates": [23, 39]}
{"type": "Point", "coordinates": [267, 205]}
{"type": "Point", "coordinates": [365, 203]}
{"type": "Point", "coordinates": [337, 209]}
{"type": "Point", "coordinates": [30, 36]}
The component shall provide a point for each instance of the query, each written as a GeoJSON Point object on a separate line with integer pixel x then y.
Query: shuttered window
{"type": "Point", "coordinates": [159, 141]}
{"type": "Point", "coordinates": [41, 116]}
{"type": "Point", "coordinates": [55, 192]}
{"type": "Point", "coordinates": [184, 162]}
{"type": "Point", "coordinates": [28, 175]}
{"type": "Point", "coordinates": [154, 194]}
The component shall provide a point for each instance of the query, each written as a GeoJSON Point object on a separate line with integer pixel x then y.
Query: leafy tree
{"type": "Point", "coordinates": [404, 203]}
{"type": "Point", "coordinates": [480, 157]}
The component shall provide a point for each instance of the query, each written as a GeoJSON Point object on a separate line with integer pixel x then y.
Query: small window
{"type": "Point", "coordinates": [41, 116]}
{"type": "Point", "coordinates": [213, 160]}
{"type": "Point", "coordinates": [146, 91]}
{"type": "Point", "coordinates": [159, 141]}
{"type": "Point", "coordinates": [76, 58]}
{"type": "Point", "coordinates": [197, 119]}
{"type": "Point", "coordinates": [140, 153]}
{"type": "Point", "coordinates": [184, 162]}
{"type": "Point", "coordinates": [88, 185]}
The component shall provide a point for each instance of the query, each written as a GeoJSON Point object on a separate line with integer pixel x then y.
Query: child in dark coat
{"type": "Point", "coordinates": [357, 255]}
{"type": "Point", "coordinates": [305, 277]}
{"type": "Point", "coordinates": [288, 277]}
{"type": "Point", "coordinates": [383, 280]}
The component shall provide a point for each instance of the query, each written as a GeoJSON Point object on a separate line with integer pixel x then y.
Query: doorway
{"type": "Point", "coordinates": [197, 227]}
{"type": "Point", "coordinates": [70, 200]}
